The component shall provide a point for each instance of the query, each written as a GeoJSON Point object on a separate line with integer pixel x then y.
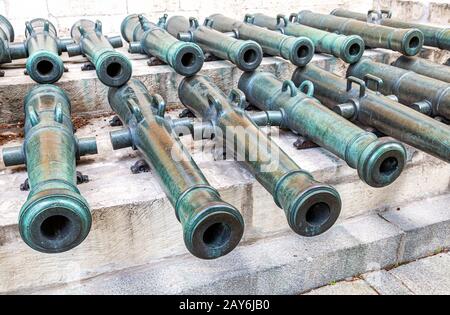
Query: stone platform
{"type": "Point", "coordinates": [136, 244]}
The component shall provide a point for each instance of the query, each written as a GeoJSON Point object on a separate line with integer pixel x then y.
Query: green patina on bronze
{"type": "Point", "coordinates": [113, 68]}
{"type": "Point", "coordinates": [311, 207]}
{"type": "Point", "coordinates": [348, 48]}
{"type": "Point", "coordinates": [427, 95]}
{"type": "Point", "coordinates": [373, 109]}
{"type": "Point", "coordinates": [298, 50]}
{"type": "Point", "coordinates": [424, 67]}
{"type": "Point", "coordinates": [379, 161]}
{"type": "Point", "coordinates": [42, 47]}
{"type": "Point", "coordinates": [55, 218]}
{"type": "Point", "coordinates": [433, 36]}
{"type": "Point", "coordinates": [148, 38]}
{"type": "Point", "coordinates": [407, 41]}
{"type": "Point", "coordinates": [211, 227]}
{"type": "Point", "coordinates": [246, 55]}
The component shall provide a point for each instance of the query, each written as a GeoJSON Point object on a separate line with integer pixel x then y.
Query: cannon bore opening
{"type": "Point", "coordinates": [44, 67]}
{"type": "Point", "coordinates": [250, 56]}
{"type": "Point", "coordinates": [389, 166]}
{"type": "Point", "coordinates": [56, 228]}
{"type": "Point", "coordinates": [414, 42]}
{"type": "Point", "coordinates": [217, 235]}
{"type": "Point", "coordinates": [114, 70]}
{"type": "Point", "coordinates": [303, 51]}
{"type": "Point", "coordinates": [354, 50]}
{"type": "Point", "coordinates": [188, 60]}
{"type": "Point", "coordinates": [318, 214]}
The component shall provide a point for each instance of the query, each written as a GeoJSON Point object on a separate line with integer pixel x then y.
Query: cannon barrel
{"type": "Point", "coordinates": [407, 41]}
{"type": "Point", "coordinates": [424, 67]}
{"type": "Point", "coordinates": [211, 227]}
{"type": "Point", "coordinates": [42, 47]}
{"type": "Point", "coordinates": [433, 36]}
{"type": "Point", "coordinates": [311, 208]}
{"type": "Point", "coordinates": [298, 50]}
{"type": "Point", "coordinates": [245, 54]}
{"type": "Point", "coordinates": [148, 38]}
{"type": "Point", "coordinates": [379, 161]}
{"type": "Point", "coordinates": [348, 48]}
{"type": "Point", "coordinates": [428, 95]}
{"type": "Point", "coordinates": [373, 109]}
{"type": "Point", "coordinates": [113, 69]}
{"type": "Point", "coordinates": [55, 218]}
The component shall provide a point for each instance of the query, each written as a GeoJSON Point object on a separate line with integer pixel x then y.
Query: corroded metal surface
{"type": "Point", "coordinates": [148, 38]}
{"type": "Point", "coordinates": [113, 68]}
{"type": "Point", "coordinates": [373, 109]}
{"type": "Point", "coordinates": [298, 50]}
{"type": "Point", "coordinates": [246, 55]}
{"type": "Point", "coordinates": [55, 218]}
{"type": "Point", "coordinates": [424, 67]}
{"type": "Point", "coordinates": [379, 161]}
{"type": "Point", "coordinates": [348, 48]}
{"type": "Point", "coordinates": [433, 36]}
{"type": "Point", "coordinates": [310, 207]}
{"type": "Point", "coordinates": [212, 228]}
{"type": "Point", "coordinates": [407, 41]}
{"type": "Point", "coordinates": [428, 95]}
{"type": "Point", "coordinates": [42, 47]}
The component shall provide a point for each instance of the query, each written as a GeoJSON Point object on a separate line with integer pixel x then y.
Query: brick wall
{"type": "Point", "coordinates": [63, 13]}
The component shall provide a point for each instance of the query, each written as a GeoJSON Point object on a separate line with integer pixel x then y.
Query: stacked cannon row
{"type": "Point", "coordinates": [407, 102]}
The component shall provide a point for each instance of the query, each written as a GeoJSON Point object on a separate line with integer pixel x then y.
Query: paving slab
{"type": "Point", "coordinates": [359, 287]}
{"type": "Point", "coordinates": [429, 276]}
{"type": "Point", "coordinates": [384, 283]}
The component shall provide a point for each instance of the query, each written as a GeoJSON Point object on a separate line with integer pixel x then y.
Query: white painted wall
{"type": "Point", "coordinates": [63, 13]}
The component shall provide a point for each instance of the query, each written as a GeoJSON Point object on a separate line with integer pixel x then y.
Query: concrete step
{"type": "Point", "coordinates": [89, 96]}
{"type": "Point", "coordinates": [288, 264]}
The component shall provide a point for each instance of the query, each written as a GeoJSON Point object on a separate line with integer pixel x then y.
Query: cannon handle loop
{"type": "Point", "coordinates": [361, 83]}
{"type": "Point", "coordinates": [293, 18]}
{"type": "Point", "coordinates": [59, 113]}
{"type": "Point", "coordinates": [371, 78]}
{"type": "Point", "coordinates": [33, 116]}
{"type": "Point", "coordinates": [160, 105]}
{"type": "Point", "coordinates": [289, 85]}
{"type": "Point", "coordinates": [381, 14]}
{"type": "Point", "coordinates": [237, 98]}
{"type": "Point", "coordinates": [281, 18]}
{"type": "Point", "coordinates": [29, 28]}
{"type": "Point", "coordinates": [208, 22]}
{"type": "Point", "coordinates": [163, 21]}
{"type": "Point", "coordinates": [98, 27]}
{"type": "Point", "coordinates": [249, 18]}
{"type": "Point", "coordinates": [193, 22]}
{"type": "Point", "coordinates": [307, 87]}
{"type": "Point", "coordinates": [134, 108]}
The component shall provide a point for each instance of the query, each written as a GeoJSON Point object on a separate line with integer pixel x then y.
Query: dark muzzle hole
{"type": "Point", "coordinates": [44, 67]}
{"type": "Point", "coordinates": [114, 70]}
{"type": "Point", "coordinates": [56, 228]}
{"type": "Point", "coordinates": [318, 214]}
{"type": "Point", "coordinates": [354, 50]}
{"type": "Point", "coordinates": [188, 60]}
{"type": "Point", "coordinates": [303, 51]}
{"type": "Point", "coordinates": [217, 235]}
{"type": "Point", "coordinates": [414, 42]}
{"type": "Point", "coordinates": [250, 56]}
{"type": "Point", "coordinates": [389, 166]}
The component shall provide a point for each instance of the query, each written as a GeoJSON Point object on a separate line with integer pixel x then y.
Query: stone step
{"type": "Point", "coordinates": [89, 96]}
{"type": "Point", "coordinates": [134, 224]}
{"type": "Point", "coordinates": [290, 265]}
